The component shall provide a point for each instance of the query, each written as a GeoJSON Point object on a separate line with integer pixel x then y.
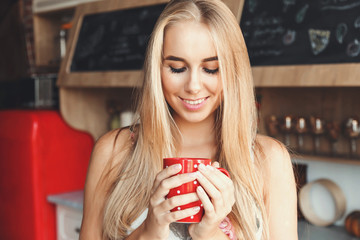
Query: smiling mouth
{"type": "Point", "coordinates": [194, 102]}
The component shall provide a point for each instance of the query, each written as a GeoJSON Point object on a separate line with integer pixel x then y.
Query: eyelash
{"type": "Point", "coordinates": [211, 71]}
{"type": "Point", "coordinates": [177, 70]}
{"type": "Point", "coordinates": [180, 70]}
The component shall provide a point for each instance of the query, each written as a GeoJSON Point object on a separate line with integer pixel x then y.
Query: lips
{"type": "Point", "coordinates": [194, 104]}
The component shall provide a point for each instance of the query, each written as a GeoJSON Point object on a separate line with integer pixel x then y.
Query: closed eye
{"type": "Point", "coordinates": [177, 70]}
{"type": "Point", "coordinates": [211, 71]}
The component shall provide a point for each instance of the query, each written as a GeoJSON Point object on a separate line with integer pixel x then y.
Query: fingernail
{"type": "Point", "coordinates": [216, 164]}
{"type": "Point", "coordinates": [196, 209]}
{"type": "Point", "coordinates": [202, 166]}
{"type": "Point", "coordinates": [209, 167]}
{"type": "Point", "coordinates": [177, 166]}
{"type": "Point", "coordinates": [200, 189]}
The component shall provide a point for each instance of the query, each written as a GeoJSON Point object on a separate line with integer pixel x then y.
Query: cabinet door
{"type": "Point", "coordinates": [68, 223]}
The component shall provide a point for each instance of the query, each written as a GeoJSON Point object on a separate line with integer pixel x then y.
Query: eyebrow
{"type": "Point", "coordinates": [173, 58]}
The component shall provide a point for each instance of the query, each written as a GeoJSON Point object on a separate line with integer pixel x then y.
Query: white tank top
{"type": "Point", "coordinates": [179, 231]}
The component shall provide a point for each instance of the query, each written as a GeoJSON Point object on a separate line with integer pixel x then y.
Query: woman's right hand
{"type": "Point", "coordinates": [159, 216]}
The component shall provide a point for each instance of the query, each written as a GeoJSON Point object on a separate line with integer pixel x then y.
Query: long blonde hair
{"type": "Point", "coordinates": [157, 135]}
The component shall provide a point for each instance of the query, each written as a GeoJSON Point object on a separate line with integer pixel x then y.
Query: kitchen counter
{"type": "Point", "coordinates": [70, 199]}
{"type": "Point", "coordinates": [306, 231]}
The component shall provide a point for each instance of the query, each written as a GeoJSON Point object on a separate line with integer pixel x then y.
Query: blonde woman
{"type": "Point", "coordinates": [197, 100]}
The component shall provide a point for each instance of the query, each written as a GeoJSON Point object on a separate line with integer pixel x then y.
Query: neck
{"type": "Point", "coordinates": [195, 134]}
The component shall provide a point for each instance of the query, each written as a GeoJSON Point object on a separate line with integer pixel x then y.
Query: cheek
{"type": "Point", "coordinates": [214, 85]}
{"type": "Point", "coordinates": [170, 83]}
{"type": "Point", "coordinates": [165, 83]}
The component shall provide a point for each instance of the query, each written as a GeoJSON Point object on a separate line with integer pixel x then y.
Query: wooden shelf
{"type": "Point", "coordinates": [45, 6]}
{"type": "Point", "coordinates": [47, 39]}
{"type": "Point", "coordinates": [338, 160]}
{"type": "Point", "coordinates": [330, 103]}
{"type": "Point", "coordinates": [67, 78]}
{"type": "Point", "coordinates": [316, 75]}
{"type": "Point", "coordinates": [101, 79]}
{"type": "Point", "coordinates": [84, 95]}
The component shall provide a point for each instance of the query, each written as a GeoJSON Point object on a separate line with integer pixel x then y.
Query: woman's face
{"type": "Point", "coordinates": [190, 72]}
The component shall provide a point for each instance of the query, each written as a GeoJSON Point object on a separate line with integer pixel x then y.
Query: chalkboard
{"type": "Point", "coordinates": [291, 32]}
{"type": "Point", "coordinates": [115, 40]}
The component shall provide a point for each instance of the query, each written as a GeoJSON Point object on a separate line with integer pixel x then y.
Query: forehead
{"type": "Point", "coordinates": [188, 39]}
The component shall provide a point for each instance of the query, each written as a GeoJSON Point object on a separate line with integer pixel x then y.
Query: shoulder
{"type": "Point", "coordinates": [106, 154]}
{"type": "Point", "coordinates": [279, 188]}
{"type": "Point", "coordinates": [274, 159]}
{"type": "Point", "coordinates": [271, 147]}
{"type": "Point", "coordinates": [112, 142]}
{"type": "Point", "coordinates": [271, 154]}
{"type": "Point", "coordinates": [104, 158]}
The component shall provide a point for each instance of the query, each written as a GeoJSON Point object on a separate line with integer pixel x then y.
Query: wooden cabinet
{"type": "Point", "coordinates": [317, 75]}
{"type": "Point", "coordinates": [84, 95]}
{"type": "Point", "coordinates": [100, 79]}
{"type": "Point", "coordinates": [48, 17]}
{"type": "Point", "coordinates": [47, 39]}
{"type": "Point", "coordinates": [329, 103]}
{"type": "Point", "coordinates": [328, 90]}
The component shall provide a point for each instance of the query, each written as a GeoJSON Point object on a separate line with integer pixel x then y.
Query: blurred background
{"type": "Point", "coordinates": [69, 69]}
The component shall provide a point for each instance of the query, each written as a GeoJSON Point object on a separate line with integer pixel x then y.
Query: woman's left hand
{"type": "Point", "coordinates": [217, 197]}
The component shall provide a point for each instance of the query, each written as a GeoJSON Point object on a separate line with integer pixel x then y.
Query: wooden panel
{"type": "Point", "coordinates": [331, 104]}
{"type": "Point", "coordinates": [86, 108]}
{"type": "Point", "coordinates": [324, 75]}
{"type": "Point", "coordinates": [295, 159]}
{"type": "Point", "coordinates": [236, 6]}
{"type": "Point", "coordinates": [45, 6]}
{"type": "Point", "coordinates": [47, 52]}
{"type": "Point", "coordinates": [83, 96]}
{"type": "Point", "coordinates": [46, 37]}
{"type": "Point", "coordinates": [110, 78]}
{"type": "Point", "coordinates": [100, 79]}
{"type": "Point", "coordinates": [103, 79]}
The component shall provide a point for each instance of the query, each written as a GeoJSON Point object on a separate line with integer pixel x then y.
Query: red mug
{"type": "Point", "coordinates": [189, 165]}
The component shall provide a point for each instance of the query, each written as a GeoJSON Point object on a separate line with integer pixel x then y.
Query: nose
{"type": "Point", "coordinates": [194, 83]}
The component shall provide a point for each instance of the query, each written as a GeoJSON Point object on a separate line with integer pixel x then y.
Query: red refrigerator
{"type": "Point", "coordinates": [40, 155]}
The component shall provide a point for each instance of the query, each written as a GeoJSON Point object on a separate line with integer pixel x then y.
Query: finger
{"type": "Point", "coordinates": [215, 164]}
{"type": "Point", "coordinates": [206, 202]}
{"type": "Point", "coordinates": [220, 174]}
{"type": "Point", "coordinates": [213, 175]}
{"type": "Point", "coordinates": [214, 194]}
{"type": "Point", "coordinates": [225, 180]}
{"type": "Point", "coordinates": [166, 173]}
{"type": "Point", "coordinates": [177, 215]}
{"type": "Point", "coordinates": [224, 186]}
{"type": "Point", "coordinates": [173, 182]}
{"type": "Point", "coordinates": [177, 201]}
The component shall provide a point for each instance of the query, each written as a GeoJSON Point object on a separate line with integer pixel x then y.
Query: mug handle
{"type": "Point", "coordinates": [224, 171]}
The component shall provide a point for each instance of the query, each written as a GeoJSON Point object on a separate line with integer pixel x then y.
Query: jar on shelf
{"type": "Point", "coordinates": [64, 30]}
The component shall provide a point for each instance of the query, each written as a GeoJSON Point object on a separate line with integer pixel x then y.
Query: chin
{"type": "Point", "coordinates": [196, 117]}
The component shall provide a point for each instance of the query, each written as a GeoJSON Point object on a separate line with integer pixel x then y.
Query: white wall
{"type": "Point", "coordinates": [346, 176]}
